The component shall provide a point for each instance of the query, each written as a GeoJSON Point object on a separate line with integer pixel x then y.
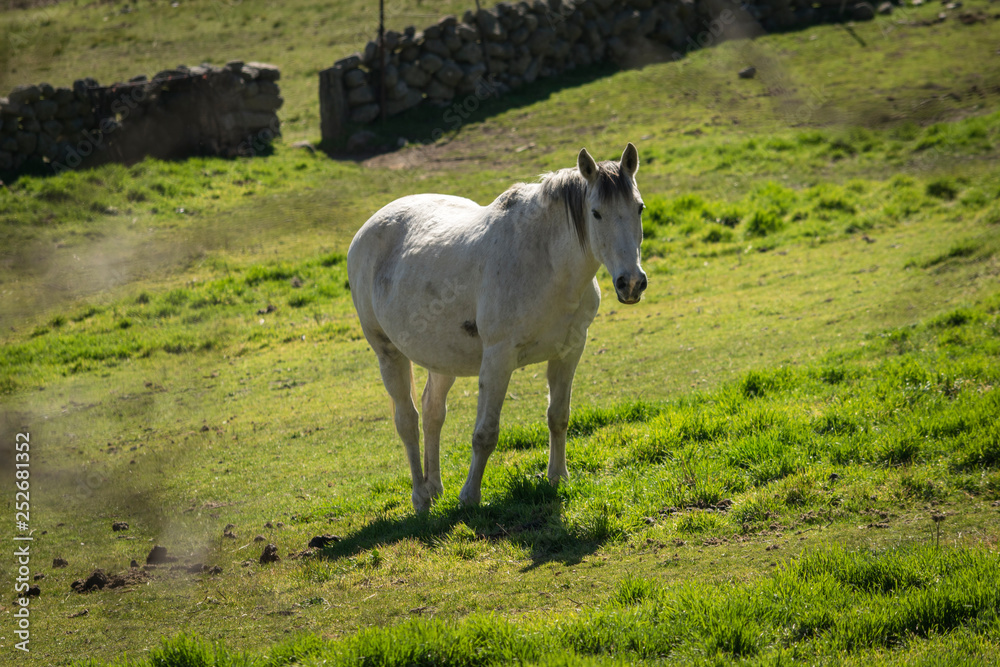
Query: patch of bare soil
{"type": "Point", "coordinates": [505, 148]}
{"type": "Point", "coordinates": [99, 580]}
{"type": "Point", "coordinates": [433, 157]}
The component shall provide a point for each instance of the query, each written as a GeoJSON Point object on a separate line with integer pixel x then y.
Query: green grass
{"type": "Point", "coordinates": [857, 447]}
{"type": "Point", "coordinates": [757, 450]}
{"type": "Point", "coordinates": [827, 602]}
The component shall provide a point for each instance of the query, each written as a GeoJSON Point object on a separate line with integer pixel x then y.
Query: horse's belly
{"type": "Point", "coordinates": [457, 365]}
{"type": "Point", "coordinates": [453, 355]}
{"type": "Point", "coordinates": [441, 354]}
{"type": "Point", "coordinates": [436, 330]}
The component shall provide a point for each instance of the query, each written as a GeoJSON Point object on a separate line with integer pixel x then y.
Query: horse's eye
{"type": "Point", "coordinates": [596, 214]}
{"type": "Point", "coordinates": [642, 207]}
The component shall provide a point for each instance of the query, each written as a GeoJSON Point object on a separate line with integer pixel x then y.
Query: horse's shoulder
{"type": "Point", "coordinates": [517, 196]}
{"type": "Point", "coordinates": [507, 199]}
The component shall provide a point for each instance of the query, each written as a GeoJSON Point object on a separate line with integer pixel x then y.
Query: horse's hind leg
{"type": "Point", "coordinates": [435, 407]}
{"type": "Point", "coordinates": [397, 376]}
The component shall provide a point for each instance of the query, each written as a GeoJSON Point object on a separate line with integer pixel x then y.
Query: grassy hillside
{"type": "Point", "coordinates": [787, 451]}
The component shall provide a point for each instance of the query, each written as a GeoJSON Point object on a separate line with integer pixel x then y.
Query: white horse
{"type": "Point", "coordinates": [463, 289]}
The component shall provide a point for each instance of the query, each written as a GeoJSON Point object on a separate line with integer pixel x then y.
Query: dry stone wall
{"type": "Point", "coordinates": [514, 44]}
{"type": "Point", "coordinates": [228, 110]}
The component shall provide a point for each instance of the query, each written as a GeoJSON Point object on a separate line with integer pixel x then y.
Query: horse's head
{"type": "Point", "coordinates": [614, 221]}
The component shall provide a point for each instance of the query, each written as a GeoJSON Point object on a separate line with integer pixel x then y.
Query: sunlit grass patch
{"type": "Point", "coordinates": [750, 449]}
{"type": "Point", "coordinates": [697, 522]}
{"type": "Point", "coordinates": [523, 436]}
{"type": "Point", "coordinates": [778, 213]}
{"type": "Point", "coordinates": [822, 600]}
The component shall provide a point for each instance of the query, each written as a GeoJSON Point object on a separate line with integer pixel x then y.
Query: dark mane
{"type": "Point", "coordinates": [570, 186]}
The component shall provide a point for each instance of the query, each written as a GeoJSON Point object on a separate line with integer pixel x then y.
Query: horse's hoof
{"type": "Point", "coordinates": [555, 479]}
{"type": "Point", "coordinates": [469, 498]}
{"type": "Point", "coordinates": [421, 504]}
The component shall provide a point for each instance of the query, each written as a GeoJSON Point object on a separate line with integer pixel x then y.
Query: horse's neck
{"type": "Point", "coordinates": [569, 256]}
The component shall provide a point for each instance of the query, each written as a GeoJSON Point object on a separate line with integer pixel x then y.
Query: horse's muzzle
{"type": "Point", "coordinates": [629, 288]}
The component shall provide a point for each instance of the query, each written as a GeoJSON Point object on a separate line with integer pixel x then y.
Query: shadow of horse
{"type": "Point", "coordinates": [528, 514]}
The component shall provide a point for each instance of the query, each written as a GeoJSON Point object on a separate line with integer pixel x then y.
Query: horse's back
{"type": "Point", "coordinates": [409, 226]}
{"type": "Point", "coordinates": [406, 219]}
{"type": "Point", "coordinates": [411, 271]}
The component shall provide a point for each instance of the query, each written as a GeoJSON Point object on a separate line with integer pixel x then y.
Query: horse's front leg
{"type": "Point", "coordinates": [494, 376]}
{"type": "Point", "coordinates": [560, 375]}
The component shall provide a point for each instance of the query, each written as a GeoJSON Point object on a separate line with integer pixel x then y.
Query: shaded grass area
{"type": "Point", "coordinates": [159, 189]}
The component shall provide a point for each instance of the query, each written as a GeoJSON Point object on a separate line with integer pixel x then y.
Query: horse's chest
{"type": "Point", "coordinates": [556, 334]}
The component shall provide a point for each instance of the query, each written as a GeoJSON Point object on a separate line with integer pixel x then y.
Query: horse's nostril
{"type": "Point", "coordinates": [621, 283]}
{"type": "Point", "coordinates": [642, 284]}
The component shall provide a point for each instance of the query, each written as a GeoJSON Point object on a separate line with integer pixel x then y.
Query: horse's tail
{"type": "Point", "coordinates": [413, 387]}
{"type": "Point", "coordinates": [413, 393]}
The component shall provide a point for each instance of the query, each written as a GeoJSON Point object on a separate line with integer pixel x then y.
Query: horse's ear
{"type": "Point", "coordinates": [630, 160]}
{"type": "Point", "coordinates": [587, 166]}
